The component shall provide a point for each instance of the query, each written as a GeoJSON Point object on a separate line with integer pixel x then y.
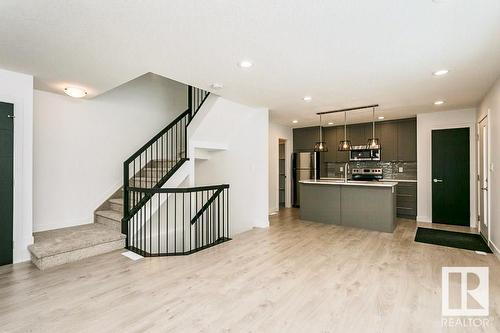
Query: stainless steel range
{"type": "Point", "coordinates": [367, 174]}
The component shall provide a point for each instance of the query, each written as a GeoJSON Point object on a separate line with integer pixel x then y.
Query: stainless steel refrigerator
{"type": "Point", "coordinates": [304, 166]}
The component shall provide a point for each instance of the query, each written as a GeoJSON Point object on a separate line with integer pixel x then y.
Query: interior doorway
{"type": "Point", "coordinates": [483, 178]}
{"type": "Point", "coordinates": [451, 176]}
{"type": "Point", "coordinates": [6, 182]}
{"type": "Point", "coordinates": [282, 173]}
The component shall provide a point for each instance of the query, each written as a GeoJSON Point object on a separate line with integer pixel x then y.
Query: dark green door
{"type": "Point", "coordinates": [450, 176]}
{"type": "Point", "coordinates": [6, 181]}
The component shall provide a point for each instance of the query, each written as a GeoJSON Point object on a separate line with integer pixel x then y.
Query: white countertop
{"type": "Point", "coordinates": [380, 180]}
{"type": "Point", "coordinates": [340, 181]}
{"type": "Point", "coordinates": [399, 180]}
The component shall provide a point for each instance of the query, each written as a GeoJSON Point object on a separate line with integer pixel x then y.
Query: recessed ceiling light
{"type": "Point", "coordinates": [438, 102]}
{"type": "Point", "coordinates": [330, 123]}
{"type": "Point", "coordinates": [295, 121]}
{"type": "Point", "coordinates": [245, 64]}
{"type": "Point", "coordinates": [75, 92]}
{"type": "Point", "coordinates": [440, 72]}
{"type": "Point", "coordinates": [380, 117]}
{"type": "Point", "coordinates": [307, 98]}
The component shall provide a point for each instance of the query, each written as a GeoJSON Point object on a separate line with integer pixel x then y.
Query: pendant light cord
{"type": "Point", "coordinates": [345, 126]}
{"type": "Point", "coordinates": [320, 130]}
{"type": "Point", "coordinates": [373, 121]}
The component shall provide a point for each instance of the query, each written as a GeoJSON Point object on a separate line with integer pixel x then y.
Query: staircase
{"type": "Point", "coordinates": [144, 210]}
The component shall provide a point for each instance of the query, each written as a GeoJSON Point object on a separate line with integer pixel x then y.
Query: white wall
{"type": "Point", "coordinates": [277, 132]}
{"type": "Point", "coordinates": [243, 164]}
{"type": "Point", "coordinates": [427, 122]}
{"type": "Point", "coordinates": [17, 89]}
{"type": "Point", "coordinates": [80, 144]}
{"type": "Point", "coordinates": [490, 106]}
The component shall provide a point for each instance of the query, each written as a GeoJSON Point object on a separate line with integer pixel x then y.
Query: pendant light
{"type": "Point", "coordinates": [373, 142]}
{"type": "Point", "coordinates": [320, 146]}
{"type": "Point", "coordinates": [345, 144]}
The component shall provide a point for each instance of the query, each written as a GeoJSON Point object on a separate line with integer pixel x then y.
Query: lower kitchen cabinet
{"type": "Point", "coordinates": [406, 200]}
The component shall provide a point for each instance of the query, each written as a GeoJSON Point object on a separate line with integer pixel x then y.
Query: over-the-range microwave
{"type": "Point", "coordinates": [362, 153]}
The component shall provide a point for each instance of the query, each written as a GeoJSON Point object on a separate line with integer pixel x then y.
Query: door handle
{"type": "Point", "coordinates": [435, 180]}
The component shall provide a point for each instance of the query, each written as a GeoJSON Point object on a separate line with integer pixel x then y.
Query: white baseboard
{"type": "Point", "coordinates": [425, 219]}
{"type": "Point", "coordinates": [495, 249]}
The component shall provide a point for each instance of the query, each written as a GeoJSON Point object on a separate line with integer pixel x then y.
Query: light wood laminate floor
{"type": "Point", "coordinates": [295, 276]}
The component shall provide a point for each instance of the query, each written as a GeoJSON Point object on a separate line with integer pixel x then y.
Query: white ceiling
{"type": "Point", "coordinates": [342, 53]}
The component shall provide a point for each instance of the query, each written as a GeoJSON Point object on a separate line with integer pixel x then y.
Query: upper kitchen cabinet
{"type": "Point", "coordinates": [387, 133]}
{"type": "Point", "coordinates": [358, 134]}
{"type": "Point", "coordinates": [342, 156]}
{"type": "Point", "coordinates": [407, 140]}
{"type": "Point", "coordinates": [330, 137]}
{"type": "Point", "coordinates": [304, 138]}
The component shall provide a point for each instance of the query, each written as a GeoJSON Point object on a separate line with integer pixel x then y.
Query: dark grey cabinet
{"type": "Point", "coordinates": [330, 137]}
{"type": "Point", "coordinates": [407, 140]}
{"type": "Point", "coordinates": [305, 138]}
{"type": "Point", "coordinates": [358, 134]}
{"type": "Point", "coordinates": [406, 200]}
{"type": "Point", "coordinates": [342, 156]}
{"type": "Point", "coordinates": [398, 139]}
{"type": "Point", "coordinates": [387, 133]}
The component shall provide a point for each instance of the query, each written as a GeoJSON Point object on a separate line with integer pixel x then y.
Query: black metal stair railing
{"type": "Point", "coordinates": [144, 174]}
{"type": "Point", "coordinates": [154, 163]}
{"type": "Point", "coordinates": [196, 98]}
{"type": "Point", "coordinates": [180, 221]}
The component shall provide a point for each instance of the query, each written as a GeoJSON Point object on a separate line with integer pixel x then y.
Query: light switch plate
{"type": "Point", "coordinates": [341, 169]}
{"type": "Point", "coordinates": [400, 169]}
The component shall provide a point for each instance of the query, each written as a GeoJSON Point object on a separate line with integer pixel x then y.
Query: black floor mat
{"type": "Point", "coordinates": [460, 240]}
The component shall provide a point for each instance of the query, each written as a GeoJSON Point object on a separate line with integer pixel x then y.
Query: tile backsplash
{"type": "Point", "coordinates": [390, 169]}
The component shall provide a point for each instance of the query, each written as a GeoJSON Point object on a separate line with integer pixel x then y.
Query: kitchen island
{"type": "Point", "coordinates": [361, 204]}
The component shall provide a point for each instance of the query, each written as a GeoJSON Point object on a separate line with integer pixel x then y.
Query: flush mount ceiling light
{"type": "Point", "coordinates": [381, 117]}
{"type": "Point", "coordinates": [438, 102]}
{"type": "Point", "coordinates": [295, 121]}
{"type": "Point", "coordinates": [307, 98]}
{"type": "Point", "coordinates": [330, 123]}
{"type": "Point", "coordinates": [440, 72]}
{"type": "Point", "coordinates": [245, 64]}
{"type": "Point", "coordinates": [75, 92]}
{"type": "Point", "coordinates": [216, 86]}
{"type": "Point", "coordinates": [320, 146]}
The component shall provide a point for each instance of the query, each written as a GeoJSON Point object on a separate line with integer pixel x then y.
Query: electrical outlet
{"type": "Point", "coordinates": [341, 169]}
{"type": "Point", "coordinates": [400, 169]}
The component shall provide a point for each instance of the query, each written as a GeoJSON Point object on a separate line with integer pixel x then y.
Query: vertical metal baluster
{"type": "Point", "coordinates": [223, 217]}
{"type": "Point", "coordinates": [214, 212]}
{"type": "Point", "coordinates": [202, 220]}
{"type": "Point", "coordinates": [175, 222]}
{"type": "Point", "coordinates": [158, 230]}
{"type": "Point", "coordinates": [134, 194]}
{"type": "Point", "coordinates": [196, 224]}
{"type": "Point", "coordinates": [218, 217]}
{"type": "Point", "coordinates": [171, 147]}
{"type": "Point", "coordinates": [157, 161]}
{"type": "Point", "coordinates": [189, 223]}
{"type": "Point", "coordinates": [183, 224]}
{"type": "Point", "coordinates": [150, 225]}
{"type": "Point", "coordinates": [166, 215]}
